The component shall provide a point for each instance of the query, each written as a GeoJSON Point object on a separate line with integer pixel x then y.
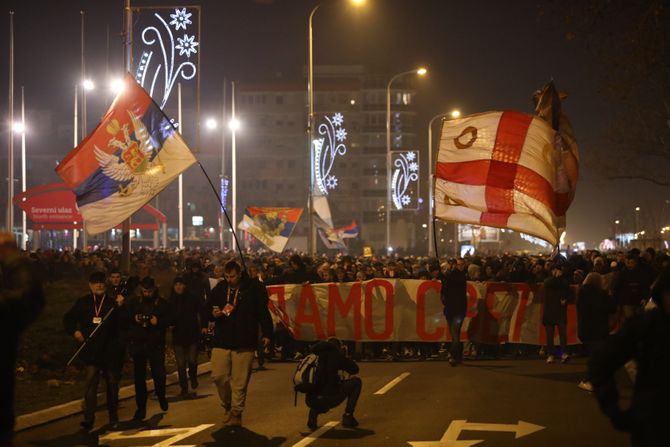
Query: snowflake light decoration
{"type": "Point", "coordinates": [180, 19]}
{"type": "Point", "coordinates": [406, 172]}
{"type": "Point", "coordinates": [159, 68]}
{"type": "Point", "coordinates": [326, 150]}
{"type": "Point", "coordinates": [186, 45]}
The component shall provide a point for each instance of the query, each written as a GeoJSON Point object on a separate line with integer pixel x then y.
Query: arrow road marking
{"type": "Point", "coordinates": [450, 437]}
{"type": "Point", "coordinates": [392, 383]}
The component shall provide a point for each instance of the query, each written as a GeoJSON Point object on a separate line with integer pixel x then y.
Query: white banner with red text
{"type": "Point", "coordinates": [411, 310]}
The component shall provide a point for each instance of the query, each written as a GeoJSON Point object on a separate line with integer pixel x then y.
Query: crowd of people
{"type": "Point", "coordinates": [214, 296]}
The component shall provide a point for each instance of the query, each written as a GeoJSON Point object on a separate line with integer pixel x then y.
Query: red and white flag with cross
{"type": "Point", "coordinates": [501, 169]}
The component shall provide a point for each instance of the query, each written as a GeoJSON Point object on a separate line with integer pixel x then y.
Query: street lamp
{"type": "Point", "coordinates": [20, 128]}
{"type": "Point", "coordinates": [431, 205]}
{"type": "Point", "coordinates": [311, 237]}
{"type": "Point", "coordinates": [234, 126]}
{"type": "Point", "coordinates": [116, 86]}
{"type": "Point", "coordinates": [421, 71]}
{"type": "Point", "coordinates": [211, 124]}
{"type": "Point", "coordinates": [637, 219]}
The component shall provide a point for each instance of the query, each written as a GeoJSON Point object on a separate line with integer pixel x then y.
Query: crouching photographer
{"type": "Point", "coordinates": [331, 389]}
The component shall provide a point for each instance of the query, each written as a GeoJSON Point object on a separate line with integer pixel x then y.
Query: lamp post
{"type": "Point", "coordinates": [20, 128]}
{"type": "Point", "coordinates": [637, 221]}
{"type": "Point", "coordinates": [431, 205]}
{"type": "Point", "coordinates": [419, 71]}
{"type": "Point", "coordinates": [234, 125]}
{"type": "Point", "coordinates": [311, 236]}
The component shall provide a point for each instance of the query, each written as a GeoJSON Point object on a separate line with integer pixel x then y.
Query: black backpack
{"type": "Point", "coordinates": [307, 377]}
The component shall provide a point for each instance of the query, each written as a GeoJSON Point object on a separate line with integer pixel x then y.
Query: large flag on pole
{"type": "Point", "coordinates": [502, 169]}
{"type": "Point", "coordinates": [271, 226]}
{"type": "Point", "coordinates": [132, 155]}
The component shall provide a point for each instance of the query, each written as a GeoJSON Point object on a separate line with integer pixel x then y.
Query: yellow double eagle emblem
{"type": "Point", "coordinates": [133, 166]}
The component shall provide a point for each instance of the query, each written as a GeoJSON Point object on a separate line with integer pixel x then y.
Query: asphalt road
{"type": "Point", "coordinates": [520, 403]}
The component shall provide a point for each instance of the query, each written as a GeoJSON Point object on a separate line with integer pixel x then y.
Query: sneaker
{"type": "Point", "coordinates": [235, 420]}
{"type": "Point", "coordinates": [348, 420]}
{"type": "Point", "coordinates": [586, 386]}
{"type": "Point", "coordinates": [565, 357]}
{"type": "Point", "coordinates": [452, 361]}
{"type": "Point", "coordinates": [551, 359]}
{"type": "Point", "coordinates": [312, 419]}
{"type": "Point", "coordinates": [140, 414]}
{"type": "Point", "coordinates": [162, 401]}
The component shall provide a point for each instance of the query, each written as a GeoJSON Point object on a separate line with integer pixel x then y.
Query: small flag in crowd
{"type": "Point", "coordinates": [500, 169]}
{"type": "Point", "coordinates": [131, 156]}
{"type": "Point", "coordinates": [271, 226]}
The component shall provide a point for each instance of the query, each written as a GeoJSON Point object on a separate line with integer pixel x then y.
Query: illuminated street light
{"type": "Point", "coordinates": [88, 84]}
{"type": "Point", "coordinates": [18, 127]}
{"type": "Point", "coordinates": [421, 71]}
{"type": "Point", "coordinates": [455, 113]}
{"type": "Point", "coordinates": [234, 124]}
{"type": "Point", "coordinates": [116, 86]}
{"type": "Point", "coordinates": [211, 123]}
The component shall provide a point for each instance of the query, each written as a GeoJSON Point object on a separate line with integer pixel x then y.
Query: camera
{"type": "Point", "coordinates": [143, 319]}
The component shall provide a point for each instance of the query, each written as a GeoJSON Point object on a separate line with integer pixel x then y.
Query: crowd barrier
{"type": "Point", "coordinates": [409, 310]}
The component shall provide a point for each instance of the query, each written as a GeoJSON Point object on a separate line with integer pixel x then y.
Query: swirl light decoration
{"type": "Point", "coordinates": [162, 61]}
{"type": "Point", "coordinates": [405, 172]}
{"type": "Point", "coordinates": [326, 150]}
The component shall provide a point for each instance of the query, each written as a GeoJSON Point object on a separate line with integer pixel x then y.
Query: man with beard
{"type": "Point", "coordinates": [238, 306]}
{"type": "Point", "coordinates": [104, 350]}
{"type": "Point", "coordinates": [148, 320]}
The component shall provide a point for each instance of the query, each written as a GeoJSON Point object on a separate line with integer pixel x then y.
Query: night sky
{"type": "Point", "coordinates": [481, 56]}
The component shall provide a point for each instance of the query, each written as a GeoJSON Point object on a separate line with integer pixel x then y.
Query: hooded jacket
{"type": "Point", "coordinates": [239, 330]}
{"type": "Point", "coordinates": [331, 362]}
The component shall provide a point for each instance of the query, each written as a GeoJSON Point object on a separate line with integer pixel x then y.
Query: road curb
{"type": "Point", "coordinates": [70, 408]}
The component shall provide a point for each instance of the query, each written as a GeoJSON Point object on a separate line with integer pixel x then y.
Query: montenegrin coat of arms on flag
{"type": "Point", "coordinates": [131, 156]}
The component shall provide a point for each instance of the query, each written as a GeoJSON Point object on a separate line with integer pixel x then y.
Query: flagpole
{"type": "Point", "coordinates": [234, 161]}
{"type": "Point", "coordinates": [83, 110]}
{"type": "Point", "coordinates": [180, 206]}
{"type": "Point", "coordinates": [125, 226]}
{"type": "Point", "coordinates": [10, 157]}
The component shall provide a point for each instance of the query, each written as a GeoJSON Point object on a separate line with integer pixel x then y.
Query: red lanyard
{"type": "Point", "coordinates": [98, 309]}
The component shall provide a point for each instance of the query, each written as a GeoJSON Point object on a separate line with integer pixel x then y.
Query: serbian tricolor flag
{"type": "Point", "coordinates": [131, 156]}
{"type": "Point", "coordinates": [271, 226]}
{"type": "Point", "coordinates": [501, 169]}
{"type": "Point", "coordinates": [350, 231]}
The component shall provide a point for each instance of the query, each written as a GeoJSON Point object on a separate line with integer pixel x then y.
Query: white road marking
{"type": "Point", "coordinates": [176, 435]}
{"type": "Point", "coordinates": [307, 440]}
{"type": "Point", "coordinates": [392, 383]}
{"type": "Point", "coordinates": [450, 437]}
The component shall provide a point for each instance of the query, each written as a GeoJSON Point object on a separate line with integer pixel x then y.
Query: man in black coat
{"type": "Point", "coordinates": [333, 390]}
{"type": "Point", "coordinates": [21, 300]}
{"type": "Point", "coordinates": [149, 317]}
{"type": "Point", "coordinates": [644, 338]}
{"type": "Point", "coordinates": [104, 350]}
{"type": "Point", "coordinates": [239, 307]}
{"type": "Point", "coordinates": [455, 301]}
{"type": "Point", "coordinates": [556, 294]}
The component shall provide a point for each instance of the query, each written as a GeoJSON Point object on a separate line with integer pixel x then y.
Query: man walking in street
{"type": "Point", "coordinates": [455, 301]}
{"type": "Point", "coordinates": [238, 306]}
{"type": "Point", "coordinates": [104, 350]}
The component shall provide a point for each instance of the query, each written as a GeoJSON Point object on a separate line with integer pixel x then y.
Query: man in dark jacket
{"type": "Point", "coordinates": [556, 294]}
{"type": "Point", "coordinates": [21, 300]}
{"type": "Point", "coordinates": [455, 301]}
{"type": "Point", "coordinates": [238, 306]}
{"type": "Point", "coordinates": [149, 318]}
{"type": "Point", "coordinates": [632, 287]}
{"type": "Point", "coordinates": [185, 312]}
{"type": "Point", "coordinates": [104, 350]}
{"type": "Point", "coordinates": [332, 389]}
{"type": "Point", "coordinates": [646, 339]}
